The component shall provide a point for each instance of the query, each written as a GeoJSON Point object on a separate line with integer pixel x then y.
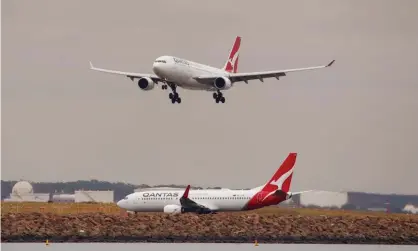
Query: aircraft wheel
{"type": "Point", "coordinates": [215, 95]}
{"type": "Point", "coordinates": [173, 100]}
{"type": "Point", "coordinates": [179, 100]}
{"type": "Point", "coordinates": [176, 95]}
{"type": "Point", "coordinates": [217, 100]}
{"type": "Point", "coordinates": [223, 99]}
{"type": "Point", "coordinates": [170, 96]}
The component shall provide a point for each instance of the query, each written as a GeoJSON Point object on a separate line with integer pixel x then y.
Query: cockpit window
{"type": "Point", "coordinates": [160, 61]}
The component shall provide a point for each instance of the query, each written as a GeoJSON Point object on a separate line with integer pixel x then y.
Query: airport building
{"type": "Point", "coordinates": [94, 196]}
{"type": "Point", "coordinates": [85, 196]}
{"type": "Point", "coordinates": [23, 191]}
{"type": "Point", "coordinates": [409, 208]}
{"type": "Point", "coordinates": [63, 198]}
{"type": "Point", "coordinates": [325, 199]}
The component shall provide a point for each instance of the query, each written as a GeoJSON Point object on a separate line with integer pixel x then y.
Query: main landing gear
{"type": "Point", "coordinates": [174, 96]}
{"type": "Point", "coordinates": [218, 96]}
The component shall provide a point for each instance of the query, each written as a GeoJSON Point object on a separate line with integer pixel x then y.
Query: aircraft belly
{"type": "Point", "coordinates": [192, 84]}
{"type": "Point", "coordinates": [184, 77]}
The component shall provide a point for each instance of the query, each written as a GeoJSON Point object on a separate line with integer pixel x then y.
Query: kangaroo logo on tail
{"type": "Point", "coordinates": [272, 192]}
{"type": "Point", "coordinates": [231, 64]}
{"type": "Point", "coordinates": [282, 178]}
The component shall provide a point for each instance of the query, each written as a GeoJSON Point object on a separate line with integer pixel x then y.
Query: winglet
{"type": "Point", "coordinates": [91, 65]}
{"type": "Point", "coordinates": [186, 192]}
{"type": "Point", "coordinates": [328, 65]}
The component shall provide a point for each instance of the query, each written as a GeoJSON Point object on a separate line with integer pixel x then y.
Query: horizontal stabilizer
{"type": "Point", "coordinates": [307, 191]}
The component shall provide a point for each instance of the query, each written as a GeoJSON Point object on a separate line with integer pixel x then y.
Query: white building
{"type": "Point", "coordinates": [63, 198]}
{"type": "Point", "coordinates": [23, 191]}
{"type": "Point", "coordinates": [409, 208]}
{"type": "Point", "coordinates": [324, 199]}
{"type": "Point", "coordinates": [94, 196]}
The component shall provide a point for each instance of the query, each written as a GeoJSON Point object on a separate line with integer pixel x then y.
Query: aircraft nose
{"type": "Point", "coordinates": [156, 68]}
{"type": "Point", "coordinates": [120, 203]}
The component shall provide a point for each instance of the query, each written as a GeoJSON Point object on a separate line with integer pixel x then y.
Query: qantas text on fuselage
{"type": "Point", "coordinates": [275, 191]}
{"type": "Point", "coordinates": [176, 72]}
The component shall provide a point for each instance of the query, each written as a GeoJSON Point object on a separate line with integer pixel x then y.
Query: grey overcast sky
{"type": "Point", "coordinates": [354, 125]}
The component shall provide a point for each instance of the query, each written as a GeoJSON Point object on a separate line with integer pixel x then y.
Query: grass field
{"type": "Point", "coordinates": [111, 208]}
{"type": "Point", "coordinates": [59, 208]}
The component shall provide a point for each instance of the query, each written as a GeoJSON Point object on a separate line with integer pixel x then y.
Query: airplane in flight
{"type": "Point", "coordinates": [204, 201]}
{"type": "Point", "coordinates": [176, 72]}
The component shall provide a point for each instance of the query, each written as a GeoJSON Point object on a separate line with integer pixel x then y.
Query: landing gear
{"type": "Point", "coordinates": [164, 87]}
{"type": "Point", "coordinates": [174, 96]}
{"type": "Point", "coordinates": [218, 96]}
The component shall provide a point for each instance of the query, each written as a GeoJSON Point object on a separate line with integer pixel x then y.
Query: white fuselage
{"type": "Point", "coordinates": [219, 200]}
{"type": "Point", "coordinates": [182, 72]}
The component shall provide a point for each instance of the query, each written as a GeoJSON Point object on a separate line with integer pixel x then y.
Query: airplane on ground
{"type": "Point", "coordinates": [176, 72]}
{"type": "Point", "coordinates": [205, 201]}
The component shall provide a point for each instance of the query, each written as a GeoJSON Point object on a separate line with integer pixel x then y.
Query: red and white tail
{"type": "Point", "coordinates": [283, 177]}
{"type": "Point", "coordinates": [231, 64]}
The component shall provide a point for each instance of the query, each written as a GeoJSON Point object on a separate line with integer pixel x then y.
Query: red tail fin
{"type": "Point", "coordinates": [283, 176]}
{"type": "Point", "coordinates": [231, 64]}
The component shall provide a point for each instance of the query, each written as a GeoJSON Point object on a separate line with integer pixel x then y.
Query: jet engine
{"type": "Point", "coordinates": [222, 83]}
{"type": "Point", "coordinates": [146, 84]}
{"type": "Point", "coordinates": [173, 209]}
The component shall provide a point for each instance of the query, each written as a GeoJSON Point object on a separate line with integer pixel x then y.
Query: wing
{"type": "Point", "coordinates": [130, 75]}
{"type": "Point", "coordinates": [190, 205]}
{"type": "Point", "coordinates": [237, 77]}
